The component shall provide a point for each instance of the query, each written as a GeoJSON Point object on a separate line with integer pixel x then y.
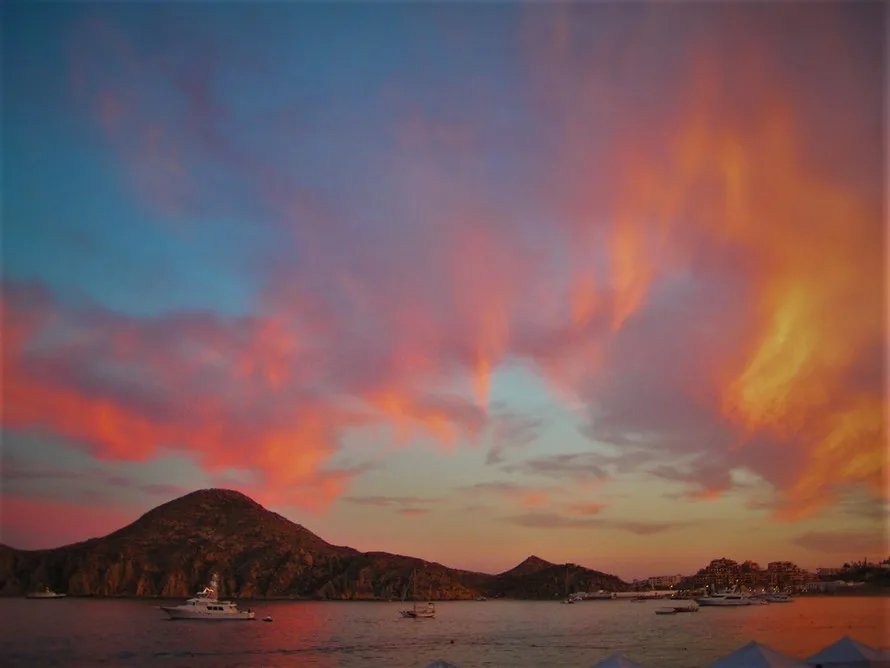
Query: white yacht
{"type": "Point", "coordinates": [206, 606]}
{"type": "Point", "coordinates": [46, 593]}
{"type": "Point", "coordinates": [725, 600]}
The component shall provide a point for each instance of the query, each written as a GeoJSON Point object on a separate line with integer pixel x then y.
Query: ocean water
{"type": "Point", "coordinates": [90, 632]}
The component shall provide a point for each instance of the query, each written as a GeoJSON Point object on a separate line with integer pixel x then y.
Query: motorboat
{"type": "Point", "coordinates": [725, 600]}
{"type": "Point", "coordinates": [666, 611]}
{"type": "Point", "coordinates": [692, 606]}
{"type": "Point", "coordinates": [46, 593]}
{"type": "Point", "coordinates": [206, 606]}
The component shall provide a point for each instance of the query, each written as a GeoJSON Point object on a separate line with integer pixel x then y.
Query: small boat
{"type": "Point", "coordinates": [691, 607]}
{"type": "Point", "coordinates": [666, 611]}
{"type": "Point", "coordinates": [46, 593]}
{"type": "Point", "coordinates": [207, 607]}
{"type": "Point", "coordinates": [427, 612]}
{"type": "Point", "coordinates": [267, 618]}
{"type": "Point", "coordinates": [778, 598]}
{"type": "Point", "coordinates": [480, 598]}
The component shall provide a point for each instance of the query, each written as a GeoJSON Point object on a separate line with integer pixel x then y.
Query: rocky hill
{"type": "Point", "coordinates": [171, 551]}
{"type": "Point", "coordinates": [536, 578]}
{"type": "Point", "coordinates": [530, 566]}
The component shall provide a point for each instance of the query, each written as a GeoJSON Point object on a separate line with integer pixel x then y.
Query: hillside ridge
{"type": "Point", "coordinates": [170, 551]}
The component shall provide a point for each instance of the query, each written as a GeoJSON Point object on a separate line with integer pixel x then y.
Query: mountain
{"type": "Point", "coordinates": [171, 550]}
{"type": "Point", "coordinates": [531, 565]}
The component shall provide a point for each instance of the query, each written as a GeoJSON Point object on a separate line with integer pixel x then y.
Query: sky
{"type": "Point", "coordinates": [602, 283]}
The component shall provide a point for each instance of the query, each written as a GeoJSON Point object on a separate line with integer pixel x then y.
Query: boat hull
{"type": "Point", "coordinates": [42, 595]}
{"type": "Point", "coordinates": [207, 616]}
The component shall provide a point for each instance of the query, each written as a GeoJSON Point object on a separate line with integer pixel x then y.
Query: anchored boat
{"type": "Point", "coordinates": [427, 612]}
{"type": "Point", "coordinates": [206, 606]}
{"type": "Point", "coordinates": [46, 593]}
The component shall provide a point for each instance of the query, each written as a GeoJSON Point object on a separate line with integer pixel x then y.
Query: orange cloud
{"type": "Point", "coordinates": [588, 508]}
{"type": "Point", "coordinates": [818, 255]}
{"type": "Point", "coordinates": [726, 168]}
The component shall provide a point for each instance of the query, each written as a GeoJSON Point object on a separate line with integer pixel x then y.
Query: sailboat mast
{"type": "Point", "coordinates": [414, 594]}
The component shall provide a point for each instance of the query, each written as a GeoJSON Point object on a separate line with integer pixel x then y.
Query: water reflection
{"type": "Point", "coordinates": [76, 632]}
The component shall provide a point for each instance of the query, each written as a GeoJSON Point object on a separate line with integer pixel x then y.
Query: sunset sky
{"type": "Point", "coordinates": [598, 282]}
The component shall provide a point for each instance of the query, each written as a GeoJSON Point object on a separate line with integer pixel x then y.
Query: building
{"type": "Point", "coordinates": [829, 571]}
{"type": "Point", "coordinates": [785, 574]}
{"type": "Point", "coordinates": [751, 575]}
{"type": "Point", "coordinates": [719, 574]}
{"type": "Point", "coordinates": [725, 573]}
{"type": "Point", "coordinates": [664, 581]}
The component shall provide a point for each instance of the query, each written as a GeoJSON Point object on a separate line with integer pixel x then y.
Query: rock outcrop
{"type": "Point", "coordinates": [172, 550]}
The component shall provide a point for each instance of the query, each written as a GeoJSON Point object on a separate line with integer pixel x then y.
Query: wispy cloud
{"type": "Point", "coordinates": [390, 501]}
{"type": "Point", "coordinates": [851, 543]}
{"type": "Point", "coordinates": [511, 431]}
{"type": "Point", "coordinates": [545, 520]}
{"type": "Point", "coordinates": [13, 470]}
{"type": "Point", "coordinates": [578, 466]}
{"type": "Point", "coordinates": [530, 496]}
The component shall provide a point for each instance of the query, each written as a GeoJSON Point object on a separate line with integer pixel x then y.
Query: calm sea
{"type": "Point", "coordinates": [84, 632]}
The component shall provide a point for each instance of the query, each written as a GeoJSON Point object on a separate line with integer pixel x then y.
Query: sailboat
{"type": "Point", "coordinates": [419, 613]}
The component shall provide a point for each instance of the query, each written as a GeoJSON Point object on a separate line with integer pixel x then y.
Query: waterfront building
{"type": "Point", "coordinates": [663, 581]}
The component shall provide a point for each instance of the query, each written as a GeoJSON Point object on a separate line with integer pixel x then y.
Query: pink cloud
{"type": "Point", "coordinates": [29, 523]}
{"type": "Point", "coordinates": [413, 512]}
